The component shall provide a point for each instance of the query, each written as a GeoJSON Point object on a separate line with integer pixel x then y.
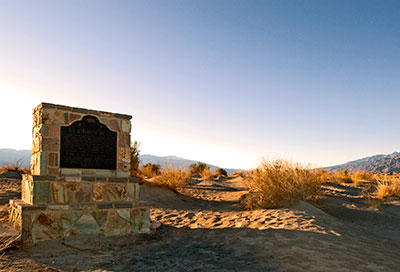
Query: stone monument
{"type": "Point", "coordinates": [80, 177]}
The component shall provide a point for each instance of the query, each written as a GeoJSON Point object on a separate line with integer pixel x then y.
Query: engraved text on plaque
{"type": "Point", "coordinates": [88, 144]}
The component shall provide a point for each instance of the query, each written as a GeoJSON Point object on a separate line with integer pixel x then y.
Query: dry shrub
{"type": "Point", "coordinates": [357, 182]}
{"type": "Point", "coordinates": [387, 177]}
{"type": "Point", "coordinates": [172, 178]}
{"type": "Point", "coordinates": [15, 166]}
{"type": "Point", "coordinates": [378, 176]}
{"type": "Point", "coordinates": [358, 177]}
{"type": "Point", "coordinates": [325, 176]}
{"type": "Point", "coordinates": [387, 188]}
{"type": "Point", "coordinates": [238, 174]}
{"type": "Point", "coordinates": [206, 173]}
{"type": "Point", "coordinates": [200, 168]}
{"type": "Point", "coordinates": [197, 168]}
{"type": "Point", "coordinates": [135, 160]}
{"type": "Point", "coordinates": [150, 169]}
{"type": "Point", "coordinates": [280, 183]}
{"type": "Point", "coordinates": [343, 176]}
{"type": "Point", "coordinates": [221, 172]}
{"type": "Point", "coordinates": [10, 167]}
{"type": "Point", "coordinates": [363, 176]}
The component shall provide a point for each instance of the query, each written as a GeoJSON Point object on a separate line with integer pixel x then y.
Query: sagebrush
{"type": "Point", "coordinates": [387, 188]}
{"type": "Point", "coordinates": [280, 183]}
{"type": "Point", "coordinates": [172, 178]}
{"type": "Point", "coordinates": [150, 169]}
{"type": "Point", "coordinates": [343, 176]}
{"type": "Point", "coordinates": [198, 168]}
{"type": "Point", "coordinates": [135, 160]}
{"type": "Point", "coordinates": [221, 172]}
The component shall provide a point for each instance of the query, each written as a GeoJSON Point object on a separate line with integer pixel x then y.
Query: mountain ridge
{"type": "Point", "coordinates": [9, 155]}
{"type": "Point", "coordinates": [383, 163]}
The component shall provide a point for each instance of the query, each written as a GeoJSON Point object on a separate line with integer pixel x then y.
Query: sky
{"type": "Point", "coordinates": [224, 82]}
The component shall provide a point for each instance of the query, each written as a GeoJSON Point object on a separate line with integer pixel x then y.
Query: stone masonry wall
{"type": "Point", "coordinates": [47, 122]}
{"type": "Point", "coordinates": [76, 189]}
{"type": "Point", "coordinates": [44, 222]}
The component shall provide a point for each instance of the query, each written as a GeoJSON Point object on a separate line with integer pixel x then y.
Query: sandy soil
{"type": "Point", "coordinates": [204, 229]}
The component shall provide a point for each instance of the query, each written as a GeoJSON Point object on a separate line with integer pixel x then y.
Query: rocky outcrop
{"type": "Point", "coordinates": [374, 164]}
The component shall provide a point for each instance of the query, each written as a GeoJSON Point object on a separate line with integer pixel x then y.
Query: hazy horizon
{"type": "Point", "coordinates": [225, 82]}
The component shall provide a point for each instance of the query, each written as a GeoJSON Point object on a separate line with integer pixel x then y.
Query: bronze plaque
{"type": "Point", "coordinates": [88, 144]}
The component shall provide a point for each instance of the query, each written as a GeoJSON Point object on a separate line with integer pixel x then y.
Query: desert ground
{"type": "Point", "coordinates": [203, 228]}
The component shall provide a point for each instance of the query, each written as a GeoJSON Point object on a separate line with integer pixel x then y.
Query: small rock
{"type": "Point", "coordinates": [154, 225]}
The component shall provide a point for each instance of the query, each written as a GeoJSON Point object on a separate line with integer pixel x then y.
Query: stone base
{"type": "Point", "coordinates": [52, 221]}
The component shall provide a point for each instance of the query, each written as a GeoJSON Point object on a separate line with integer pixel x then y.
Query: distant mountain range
{"type": "Point", "coordinates": [378, 163]}
{"type": "Point", "coordinates": [24, 156]}
{"type": "Point", "coordinates": [8, 156]}
{"type": "Point", "coordinates": [177, 162]}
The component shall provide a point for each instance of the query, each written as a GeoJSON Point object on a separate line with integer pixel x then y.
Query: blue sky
{"type": "Point", "coordinates": [225, 82]}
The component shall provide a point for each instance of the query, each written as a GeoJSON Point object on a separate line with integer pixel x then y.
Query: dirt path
{"type": "Point", "coordinates": [204, 229]}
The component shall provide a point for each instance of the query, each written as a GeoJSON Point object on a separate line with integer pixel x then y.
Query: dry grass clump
{"type": "Point", "coordinates": [135, 160]}
{"type": "Point", "coordinates": [362, 176]}
{"type": "Point", "coordinates": [387, 177]}
{"type": "Point", "coordinates": [221, 172]}
{"type": "Point", "coordinates": [382, 187]}
{"type": "Point", "coordinates": [201, 169]}
{"type": "Point", "coordinates": [150, 170]}
{"type": "Point", "coordinates": [387, 188]}
{"type": "Point", "coordinates": [15, 166]}
{"type": "Point", "coordinates": [238, 174]}
{"type": "Point", "coordinates": [343, 176]}
{"type": "Point", "coordinates": [206, 173]}
{"type": "Point", "coordinates": [280, 183]}
{"type": "Point", "coordinates": [172, 178]}
{"type": "Point", "coordinates": [359, 177]}
{"type": "Point", "coordinates": [197, 168]}
{"type": "Point", "coordinates": [325, 176]}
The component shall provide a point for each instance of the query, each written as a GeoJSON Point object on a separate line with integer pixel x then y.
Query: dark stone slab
{"type": "Point", "coordinates": [103, 179]}
{"type": "Point", "coordinates": [116, 179]}
{"type": "Point", "coordinates": [83, 206]}
{"type": "Point", "coordinates": [88, 178]}
{"type": "Point", "coordinates": [104, 205]}
{"type": "Point", "coordinates": [43, 178]}
{"type": "Point", "coordinates": [88, 144]}
{"type": "Point", "coordinates": [123, 205]}
{"type": "Point", "coordinates": [134, 179]}
{"type": "Point", "coordinates": [37, 207]}
{"type": "Point", "coordinates": [123, 116]}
